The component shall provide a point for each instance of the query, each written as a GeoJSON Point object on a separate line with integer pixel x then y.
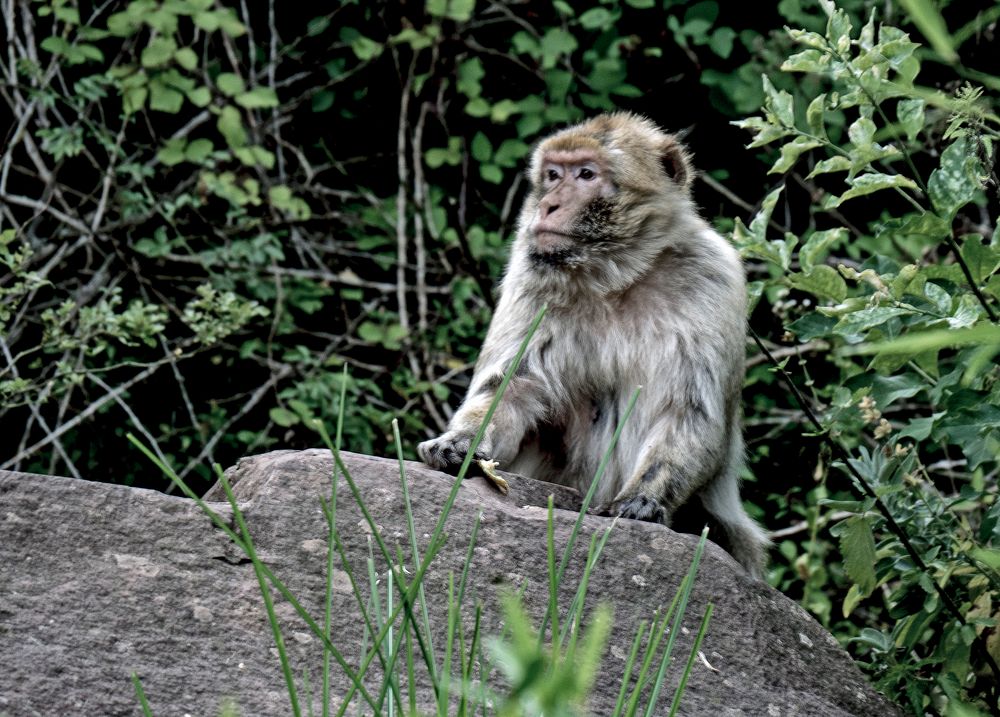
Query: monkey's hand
{"type": "Point", "coordinates": [641, 507]}
{"type": "Point", "coordinates": [447, 453]}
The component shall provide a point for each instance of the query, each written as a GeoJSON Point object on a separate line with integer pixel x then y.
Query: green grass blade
{"type": "Point", "coordinates": [274, 580]}
{"type": "Point", "coordinates": [550, 545]}
{"type": "Point", "coordinates": [929, 21]}
{"type": "Point", "coordinates": [408, 509]}
{"type": "Point", "coordinates": [331, 513]}
{"type": "Point", "coordinates": [265, 591]}
{"type": "Point", "coordinates": [678, 693]}
{"type": "Point", "coordinates": [675, 629]}
{"type": "Point", "coordinates": [629, 666]}
{"type": "Point", "coordinates": [436, 540]}
{"type": "Point", "coordinates": [141, 694]}
{"type": "Point", "coordinates": [307, 689]}
{"type": "Point", "coordinates": [658, 630]}
{"type": "Point", "coordinates": [407, 599]}
{"type": "Point", "coordinates": [444, 694]}
{"type": "Point", "coordinates": [568, 550]}
{"type": "Point", "coordinates": [468, 559]}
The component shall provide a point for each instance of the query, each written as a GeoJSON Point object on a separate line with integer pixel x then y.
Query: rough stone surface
{"type": "Point", "coordinates": [99, 581]}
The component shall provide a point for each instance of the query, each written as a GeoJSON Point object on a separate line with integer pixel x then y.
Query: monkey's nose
{"type": "Point", "coordinates": [551, 208]}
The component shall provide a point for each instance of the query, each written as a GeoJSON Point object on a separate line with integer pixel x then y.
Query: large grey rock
{"type": "Point", "coordinates": [98, 581]}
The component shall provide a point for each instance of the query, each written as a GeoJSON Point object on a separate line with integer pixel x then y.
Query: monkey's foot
{"type": "Point", "coordinates": [641, 507]}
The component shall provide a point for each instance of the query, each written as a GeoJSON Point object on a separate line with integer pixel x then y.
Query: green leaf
{"type": "Point", "coordinates": [134, 98]}
{"type": "Point", "coordinates": [56, 45]}
{"type": "Point", "coordinates": [317, 26]}
{"type": "Point", "coordinates": [172, 152]}
{"type": "Point", "coordinates": [451, 155]}
{"type": "Point", "coordinates": [69, 15]}
{"type": "Point", "coordinates": [322, 101]}
{"type": "Point", "coordinates": [938, 296]}
{"type": "Point", "coordinates": [230, 125]}
{"type": "Point", "coordinates": [821, 281]}
{"type": "Point", "coordinates": [858, 322]}
{"type": "Point", "coordinates": [207, 21]}
{"type": "Point", "coordinates": [163, 97]}
{"type": "Point", "coordinates": [365, 48]}
{"type": "Point", "coordinates": [283, 417]}
{"type": "Point", "coordinates": [818, 245]}
{"type": "Point", "coordinates": [790, 153]}
{"type": "Point", "coordinates": [158, 52]}
{"type": "Point", "coordinates": [911, 116]}
{"type": "Point", "coordinates": [780, 104]}
{"type": "Point", "coordinates": [861, 132]}
{"type": "Point", "coordinates": [814, 61]}
{"type": "Point", "coordinates": [200, 97]}
{"type": "Point", "coordinates": [919, 429]}
{"type": "Point", "coordinates": [258, 98]}
{"type": "Point", "coordinates": [230, 84]}
{"type": "Point", "coordinates": [886, 390]}
{"type": "Point", "coordinates": [253, 156]}
{"type": "Point", "coordinates": [857, 544]}
{"type": "Point", "coordinates": [457, 10]}
{"type": "Point", "coordinates": [721, 41]}
{"type": "Point", "coordinates": [924, 224]}
{"type": "Point", "coordinates": [596, 18]}
{"type": "Point", "coordinates": [511, 152]}
{"type": "Point", "coordinates": [982, 259]}
{"type": "Point", "coordinates": [839, 163]}
{"type": "Point", "coordinates": [491, 173]}
{"type": "Point", "coordinates": [482, 150]}
{"type": "Point", "coordinates": [954, 183]}
{"type": "Point", "coordinates": [186, 58]}
{"type": "Point", "coordinates": [502, 110]}
{"type": "Point", "coordinates": [814, 116]}
{"type": "Point", "coordinates": [477, 107]}
{"type": "Point", "coordinates": [229, 23]}
{"type": "Point", "coordinates": [557, 43]}
{"type": "Point", "coordinates": [987, 556]}
{"type": "Point", "coordinates": [470, 73]}
{"type": "Point", "coordinates": [868, 184]}
{"type": "Point", "coordinates": [198, 150]}
{"type": "Point", "coordinates": [838, 30]}
{"type": "Point", "coordinates": [812, 326]}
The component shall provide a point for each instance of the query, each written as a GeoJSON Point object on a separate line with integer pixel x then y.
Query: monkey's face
{"type": "Point", "coordinates": [571, 209]}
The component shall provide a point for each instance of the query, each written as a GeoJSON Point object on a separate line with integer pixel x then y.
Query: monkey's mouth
{"type": "Point", "coordinates": [551, 240]}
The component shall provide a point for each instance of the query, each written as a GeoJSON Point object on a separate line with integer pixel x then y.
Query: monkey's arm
{"type": "Point", "coordinates": [521, 407]}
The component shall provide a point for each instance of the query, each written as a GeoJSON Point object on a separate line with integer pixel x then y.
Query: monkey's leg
{"type": "Point", "coordinates": [674, 468]}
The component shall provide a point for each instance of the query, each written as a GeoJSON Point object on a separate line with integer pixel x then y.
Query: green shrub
{"type": "Point", "coordinates": [904, 303]}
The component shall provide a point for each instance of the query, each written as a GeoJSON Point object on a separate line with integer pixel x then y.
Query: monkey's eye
{"type": "Point", "coordinates": [552, 175]}
{"type": "Point", "coordinates": [586, 173]}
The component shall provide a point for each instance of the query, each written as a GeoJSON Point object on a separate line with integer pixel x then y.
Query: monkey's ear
{"type": "Point", "coordinates": [676, 162]}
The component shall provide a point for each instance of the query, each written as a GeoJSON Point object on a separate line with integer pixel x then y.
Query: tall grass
{"type": "Point", "coordinates": [549, 668]}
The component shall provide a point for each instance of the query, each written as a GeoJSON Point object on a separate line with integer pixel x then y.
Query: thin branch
{"type": "Point", "coordinates": [83, 415]}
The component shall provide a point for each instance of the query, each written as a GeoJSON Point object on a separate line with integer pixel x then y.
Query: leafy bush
{"type": "Point", "coordinates": [904, 305]}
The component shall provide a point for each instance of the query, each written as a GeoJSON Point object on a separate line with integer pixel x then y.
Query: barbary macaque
{"type": "Point", "coordinates": [641, 291]}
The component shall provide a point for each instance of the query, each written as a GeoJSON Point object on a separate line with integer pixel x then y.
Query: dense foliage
{"type": "Point", "coordinates": [206, 212]}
